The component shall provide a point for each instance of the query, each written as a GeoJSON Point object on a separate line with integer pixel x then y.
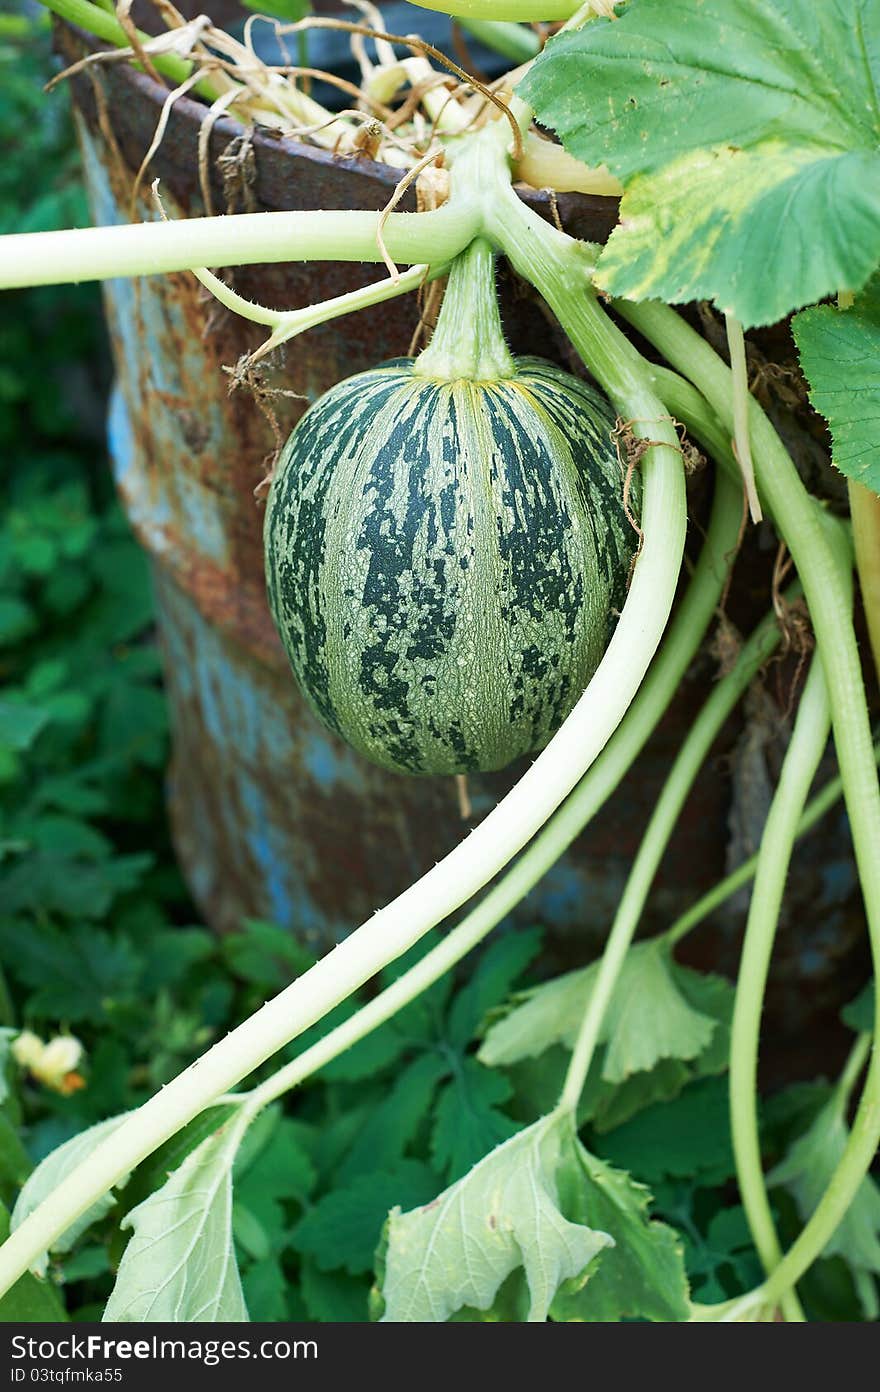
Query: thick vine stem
{"type": "Point", "coordinates": [468, 341]}
{"type": "Point", "coordinates": [858, 1057]}
{"type": "Point", "coordinates": [808, 741]}
{"type": "Point", "coordinates": [512, 11]}
{"type": "Point", "coordinates": [864, 506]}
{"type": "Point", "coordinates": [242, 239]}
{"type": "Point", "coordinates": [739, 379]}
{"type": "Point", "coordinates": [544, 164]}
{"type": "Point", "coordinates": [809, 737]}
{"type": "Point", "coordinates": [106, 26]}
{"type": "Point", "coordinates": [515, 42]}
{"type": "Point", "coordinates": [814, 557]}
{"type": "Point", "coordinates": [560, 269]}
{"type": "Point", "coordinates": [678, 784]}
{"type": "Point", "coordinates": [504, 832]}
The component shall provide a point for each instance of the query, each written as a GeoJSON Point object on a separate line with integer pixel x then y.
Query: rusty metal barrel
{"type": "Point", "coordinates": [272, 815]}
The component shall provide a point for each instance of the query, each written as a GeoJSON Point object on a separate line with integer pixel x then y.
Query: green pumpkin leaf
{"type": "Point", "coordinates": [790, 1111]}
{"type": "Point", "coordinates": [7, 1035]}
{"type": "Point", "coordinates": [15, 1163]}
{"type": "Point", "coordinates": [20, 724]}
{"type": "Point", "coordinates": [840, 356]}
{"type": "Point", "coordinates": [501, 963]}
{"type": "Point", "coordinates": [467, 1119]}
{"type": "Point", "coordinates": [77, 974]}
{"type": "Point", "coordinates": [687, 1137]}
{"type": "Point", "coordinates": [648, 1018]}
{"type": "Point", "coordinates": [746, 135]}
{"type": "Point", "coordinates": [265, 1289]}
{"type": "Point", "coordinates": [281, 1168]}
{"type": "Point", "coordinates": [17, 620]}
{"type": "Point", "coordinates": [152, 1173]}
{"type": "Point", "coordinates": [806, 1172]}
{"type": "Point", "coordinates": [86, 1264]}
{"type": "Point", "coordinates": [252, 1233]}
{"type": "Point", "coordinates": [642, 1275]}
{"type": "Point", "coordinates": [608, 1105]}
{"type": "Point", "coordinates": [712, 996]}
{"type": "Point", "coordinates": [179, 1265]}
{"type": "Point", "coordinates": [171, 953]}
{"type": "Point", "coordinates": [394, 1121]}
{"type": "Point", "coordinates": [265, 954]}
{"type": "Point", "coordinates": [55, 881]}
{"type": "Point", "coordinates": [505, 1214]}
{"type": "Point", "coordinates": [727, 1247]}
{"type": "Point", "coordinates": [343, 1228]}
{"type": "Point", "coordinates": [48, 1175]}
{"type": "Point", "coordinates": [276, 1174]}
{"type": "Point", "coordinates": [333, 1297]}
{"type": "Point", "coordinates": [369, 1056]}
{"type": "Point", "coordinates": [510, 1306]}
{"type": "Point", "coordinates": [859, 1013]}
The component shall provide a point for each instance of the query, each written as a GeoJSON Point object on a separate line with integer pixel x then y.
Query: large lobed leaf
{"type": "Point", "coordinates": [746, 135]}
{"type": "Point", "coordinates": [343, 1227]}
{"type": "Point", "coordinates": [642, 1276]}
{"type": "Point", "coordinates": [840, 356]}
{"type": "Point", "coordinates": [504, 1214]}
{"type": "Point", "coordinates": [49, 1174]}
{"type": "Point", "coordinates": [807, 1170]}
{"type": "Point", "coordinates": [541, 1212]}
{"type": "Point", "coordinates": [180, 1263]}
{"type": "Point", "coordinates": [649, 1017]}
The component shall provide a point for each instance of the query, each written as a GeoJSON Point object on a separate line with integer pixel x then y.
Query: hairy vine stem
{"type": "Point", "coordinates": [808, 740]}
{"type": "Point", "coordinates": [106, 26]}
{"type": "Point", "coordinates": [523, 11]}
{"type": "Point", "coordinates": [864, 509]}
{"type": "Point", "coordinates": [287, 324]}
{"type": "Point", "coordinates": [515, 42]}
{"type": "Point", "coordinates": [241, 239]}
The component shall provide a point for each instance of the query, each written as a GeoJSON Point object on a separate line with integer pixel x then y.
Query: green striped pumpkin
{"type": "Point", "coordinates": [445, 560]}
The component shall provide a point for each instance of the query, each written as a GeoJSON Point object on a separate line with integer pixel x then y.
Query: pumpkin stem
{"type": "Point", "coordinates": [468, 342]}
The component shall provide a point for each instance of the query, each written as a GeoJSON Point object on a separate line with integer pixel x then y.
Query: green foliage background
{"type": "Point", "coordinates": [98, 936]}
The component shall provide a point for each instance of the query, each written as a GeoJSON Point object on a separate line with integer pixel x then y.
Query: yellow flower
{"type": "Point", "coordinates": [54, 1064]}
{"type": "Point", "coordinates": [27, 1049]}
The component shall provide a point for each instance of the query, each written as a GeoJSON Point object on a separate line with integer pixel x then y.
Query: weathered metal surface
{"type": "Point", "coordinates": [272, 815]}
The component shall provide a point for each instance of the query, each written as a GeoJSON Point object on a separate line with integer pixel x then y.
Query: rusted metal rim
{"type": "Point", "coordinates": [287, 170]}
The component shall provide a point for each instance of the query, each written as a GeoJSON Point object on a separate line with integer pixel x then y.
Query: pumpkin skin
{"type": "Point", "coordinates": [445, 560]}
